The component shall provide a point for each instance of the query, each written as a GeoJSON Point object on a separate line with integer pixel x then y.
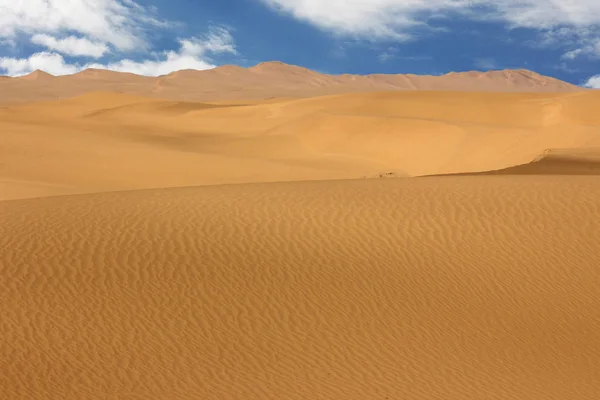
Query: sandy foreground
{"type": "Point", "coordinates": [470, 287]}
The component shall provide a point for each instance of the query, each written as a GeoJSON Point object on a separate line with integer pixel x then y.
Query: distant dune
{"type": "Point", "coordinates": [443, 288]}
{"type": "Point", "coordinates": [265, 80]}
{"type": "Point", "coordinates": [106, 141]}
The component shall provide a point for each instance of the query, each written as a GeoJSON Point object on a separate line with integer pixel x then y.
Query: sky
{"type": "Point", "coordinates": [559, 38]}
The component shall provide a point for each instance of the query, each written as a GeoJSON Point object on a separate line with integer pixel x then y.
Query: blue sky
{"type": "Point", "coordinates": [560, 38]}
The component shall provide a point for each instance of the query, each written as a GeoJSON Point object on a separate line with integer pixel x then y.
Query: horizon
{"type": "Point", "coordinates": [274, 62]}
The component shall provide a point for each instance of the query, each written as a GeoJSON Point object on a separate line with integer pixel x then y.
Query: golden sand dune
{"type": "Point", "coordinates": [483, 287]}
{"type": "Point", "coordinates": [454, 287]}
{"type": "Point", "coordinates": [265, 80]}
{"type": "Point", "coordinates": [109, 141]}
{"type": "Point", "coordinates": [584, 161]}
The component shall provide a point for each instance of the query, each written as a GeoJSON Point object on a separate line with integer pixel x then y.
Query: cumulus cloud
{"type": "Point", "coordinates": [397, 18]}
{"type": "Point", "coordinates": [114, 32]}
{"type": "Point", "coordinates": [389, 16]}
{"type": "Point", "coordinates": [375, 18]}
{"type": "Point", "coordinates": [71, 45]}
{"type": "Point", "coordinates": [193, 53]}
{"type": "Point", "coordinates": [49, 62]}
{"type": "Point", "coordinates": [121, 23]}
{"type": "Point", "coordinates": [593, 82]}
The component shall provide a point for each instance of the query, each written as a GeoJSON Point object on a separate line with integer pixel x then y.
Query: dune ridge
{"type": "Point", "coordinates": [584, 161]}
{"type": "Point", "coordinates": [265, 80]}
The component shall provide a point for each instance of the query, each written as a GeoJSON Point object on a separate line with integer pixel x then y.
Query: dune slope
{"type": "Point", "coordinates": [585, 161]}
{"type": "Point", "coordinates": [440, 288]}
{"type": "Point", "coordinates": [110, 141]}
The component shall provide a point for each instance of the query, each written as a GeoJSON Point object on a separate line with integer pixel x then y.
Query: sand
{"type": "Point", "coordinates": [104, 141]}
{"type": "Point", "coordinates": [582, 161]}
{"type": "Point", "coordinates": [297, 243]}
{"type": "Point", "coordinates": [264, 81]}
{"type": "Point", "coordinates": [481, 287]}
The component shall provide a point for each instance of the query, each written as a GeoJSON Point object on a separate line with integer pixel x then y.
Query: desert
{"type": "Point", "coordinates": [277, 233]}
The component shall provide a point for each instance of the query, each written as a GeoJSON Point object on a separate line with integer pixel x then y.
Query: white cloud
{"type": "Point", "coordinates": [95, 29]}
{"type": "Point", "coordinates": [397, 18]}
{"type": "Point", "coordinates": [71, 45]}
{"type": "Point", "coordinates": [218, 40]}
{"type": "Point", "coordinates": [51, 63]}
{"type": "Point", "coordinates": [172, 62]}
{"type": "Point", "coordinates": [571, 55]}
{"type": "Point", "coordinates": [374, 18]}
{"type": "Point", "coordinates": [194, 53]}
{"type": "Point", "coordinates": [121, 23]}
{"type": "Point", "coordinates": [593, 82]}
{"type": "Point", "coordinates": [590, 47]}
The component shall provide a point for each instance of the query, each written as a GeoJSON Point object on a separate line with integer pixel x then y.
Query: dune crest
{"type": "Point", "coordinates": [267, 80]}
{"type": "Point", "coordinates": [37, 75]}
{"type": "Point", "coordinates": [583, 161]}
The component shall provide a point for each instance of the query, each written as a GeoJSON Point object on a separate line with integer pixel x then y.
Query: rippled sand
{"type": "Point", "coordinates": [469, 287]}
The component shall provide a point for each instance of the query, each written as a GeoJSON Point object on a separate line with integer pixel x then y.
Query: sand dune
{"type": "Point", "coordinates": [36, 76]}
{"type": "Point", "coordinates": [584, 161]}
{"type": "Point", "coordinates": [141, 259]}
{"type": "Point", "coordinates": [440, 288]}
{"type": "Point", "coordinates": [109, 141]}
{"type": "Point", "coordinates": [265, 80]}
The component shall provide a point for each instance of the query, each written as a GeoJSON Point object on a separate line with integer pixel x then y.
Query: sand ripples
{"type": "Point", "coordinates": [454, 288]}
